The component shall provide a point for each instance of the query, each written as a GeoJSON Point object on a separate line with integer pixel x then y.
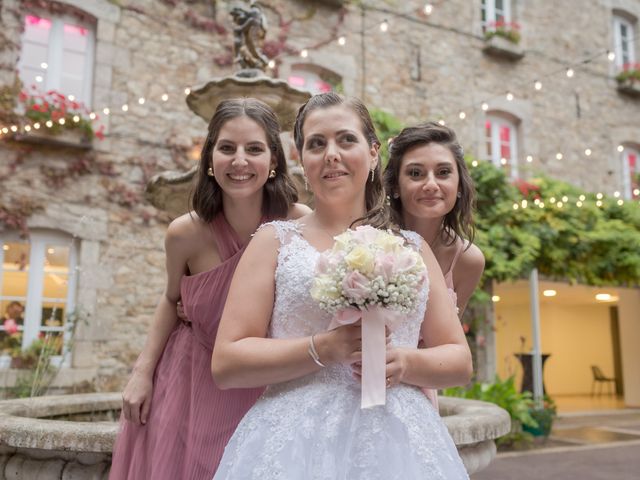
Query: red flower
{"type": "Point", "coordinates": [35, 107]}
{"type": "Point", "coordinates": [10, 326]}
{"type": "Point", "coordinates": [56, 115]}
{"type": "Point", "coordinates": [23, 96]}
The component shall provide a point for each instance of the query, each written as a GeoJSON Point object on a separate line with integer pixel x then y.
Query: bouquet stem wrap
{"type": "Point", "coordinates": [374, 347]}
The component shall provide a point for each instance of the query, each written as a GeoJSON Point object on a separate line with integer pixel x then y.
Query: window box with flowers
{"type": "Point", "coordinates": [629, 79]}
{"type": "Point", "coordinates": [54, 119]}
{"type": "Point", "coordinates": [502, 40]}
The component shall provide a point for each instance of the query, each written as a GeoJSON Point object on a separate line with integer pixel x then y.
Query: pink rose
{"type": "Point", "coordinates": [356, 287]}
{"type": "Point", "coordinates": [384, 266]}
{"type": "Point", "coordinates": [365, 234]}
{"type": "Point", "coordinates": [404, 261]}
{"type": "Point", "coordinates": [10, 326]}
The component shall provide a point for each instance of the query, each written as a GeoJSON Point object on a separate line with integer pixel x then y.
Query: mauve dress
{"type": "Point", "coordinates": [190, 420]}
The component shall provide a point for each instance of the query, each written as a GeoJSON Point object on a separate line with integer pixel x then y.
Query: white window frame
{"type": "Point", "coordinates": [626, 172]}
{"type": "Point", "coordinates": [38, 242]}
{"type": "Point", "coordinates": [618, 22]}
{"type": "Point", "coordinates": [489, 7]}
{"type": "Point", "coordinates": [53, 76]}
{"type": "Point", "coordinates": [496, 150]}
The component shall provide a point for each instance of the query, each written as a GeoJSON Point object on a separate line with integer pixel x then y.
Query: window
{"type": "Point", "coordinates": [501, 143]}
{"type": "Point", "coordinates": [37, 285]}
{"type": "Point", "coordinates": [631, 172]}
{"type": "Point", "coordinates": [623, 37]}
{"type": "Point", "coordinates": [495, 12]}
{"type": "Point", "coordinates": [313, 79]}
{"type": "Point", "coordinates": [57, 54]}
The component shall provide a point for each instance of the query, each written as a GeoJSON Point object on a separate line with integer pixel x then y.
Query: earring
{"type": "Point", "coordinates": [210, 172]}
{"type": "Point", "coordinates": [306, 185]}
{"type": "Point", "coordinates": [373, 171]}
{"type": "Point", "coordinates": [459, 195]}
{"type": "Point", "coordinates": [272, 173]}
{"type": "Point", "coordinates": [396, 195]}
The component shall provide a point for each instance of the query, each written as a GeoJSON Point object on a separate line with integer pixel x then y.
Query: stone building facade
{"type": "Point", "coordinates": [413, 60]}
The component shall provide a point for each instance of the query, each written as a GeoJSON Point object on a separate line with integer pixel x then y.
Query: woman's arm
{"type": "Point", "coordinates": [138, 391]}
{"type": "Point", "coordinates": [242, 356]}
{"type": "Point", "coordinates": [447, 359]}
{"type": "Point", "coordinates": [466, 275]}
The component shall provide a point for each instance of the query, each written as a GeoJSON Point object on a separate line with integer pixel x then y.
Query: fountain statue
{"type": "Point", "coordinates": [169, 191]}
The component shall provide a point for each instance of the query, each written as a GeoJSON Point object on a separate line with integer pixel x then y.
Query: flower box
{"type": "Point", "coordinates": [68, 138]}
{"type": "Point", "coordinates": [629, 87]}
{"type": "Point", "coordinates": [629, 79]}
{"type": "Point", "coordinates": [498, 46]}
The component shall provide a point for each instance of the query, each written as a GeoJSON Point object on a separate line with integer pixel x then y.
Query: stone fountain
{"type": "Point", "coordinates": [169, 191]}
{"type": "Point", "coordinates": [72, 436]}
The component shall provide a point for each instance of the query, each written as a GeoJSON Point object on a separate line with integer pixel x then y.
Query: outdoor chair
{"type": "Point", "coordinates": [599, 378]}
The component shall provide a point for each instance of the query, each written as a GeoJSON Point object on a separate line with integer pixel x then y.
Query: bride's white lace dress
{"type": "Point", "coordinates": [312, 428]}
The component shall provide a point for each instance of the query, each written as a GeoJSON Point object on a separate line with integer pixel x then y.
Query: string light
{"type": "Point", "coordinates": [44, 65]}
{"type": "Point", "coordinates": [503, 161]}
{"type": "Point", "coordinates": [587, 152]}
{"type": "Point", "coordinates": [559, 204]}
{"type": "Point", "coordinates": [570, 72]}
{"type": "Point", "coordinates": [485, 106]}
{"type": "Point", "coordinates": [620, 202]}
{"type": "Point", "coordinates": [636, 191]}
{"type": "Point", "coordinates": [529, 159]}
{"type": "Point", "coordinates": [5, 130]}
{"type": "Point", "coordinates": [304, 53]}
{"type": "Point", "coordinates": [516, 206]}
{"type": "Point", "coordinates": [49, 124]}
{"type": "Point", "coordinates": [384, 26]}
{"type": "Point", "coordinates": [462, 115]}
{"type": "Point", "coordinates": [582, 198]}
{"type": "Point", "coordinates": [565, 199]}
{"type": "Point", "coordinates": [537, 85]}
{"type": "Point", "coordinates": [541, 204]}
{"type": "Point", "coordinates": [536, 201]}
{"type": "Point", "coordinates": [441, 122]}
{"type": "Point", "coordinates": [428, 9]}
{"type": "Point", "coordinates": [76, 118]}
{"type": "Point", "coordinates": [27, 128]}
{"type": "Point", "coordinates": [474, 163]}
{"type": "Point", "coordinates": [599, 203]}
{"type": "Point", "coordinates": [342, 41]}
{"type": "Point", "coordinates": [611, 56]}
{"type": "Point", "coordinates": [616, 194]}
{"type": "Point", "coordinates": [39, 78]}
{"type": "Point", "coordinates": [71, 98]}
{"type": "Point", "coordinates": [552, 200]}
{"type": "Point", "coordinates": [36, 126]}
{"type": "Point", "coordinates": [578, 204]}
{"type": "Point", "coordinates": [106, 110]}
{"type": "Point", "coordinates": [620, 148]}
{"type": "Point", "coordinates": [599, 196]}
{"type": "Point", "coordinates": [524, 204]}
{"type": "Point", "coordinates": [165, 96]}
{"type": "Point", "coordinates": [141, 101]}
{"type": "Point", "coordinates": [14, 128]}
{"type": "Point", "coordinates": [92, 116]}
{"type": "Point", "coordinates": [125, 108]}
{"type": "Point", "coordinates": [509, 96]}
{"type": "Point", "coordinates": [187, 91]}
{"type": "Point", "coordinates": [558, 156]}
{"type": "Point", "coordinates": [271, 64]}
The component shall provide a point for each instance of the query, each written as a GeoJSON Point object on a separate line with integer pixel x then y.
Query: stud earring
{"type": "Point", "coordinates": [459, 195]}
{"type": "Point", "coordinates": [210, 172]}
{"type": "Point", "coordinates": [372, 174]}
{"type": "Point", "coordinates": [396, 195]}
{"type": "Point", "coordinates": [272, 173]}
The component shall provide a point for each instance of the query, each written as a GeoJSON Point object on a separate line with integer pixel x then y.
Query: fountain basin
{"type": "Point", "coordinates": [34, 444]}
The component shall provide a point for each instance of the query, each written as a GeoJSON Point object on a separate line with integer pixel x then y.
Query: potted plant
{"type": "Point", "coordinates": [629, 79]}
{"type": "Point", "coordinates": [544, 417]}
{"type": "Point", "coordinates": [507, 30]}
{"type": "Point", "coordinates": [502, 39]}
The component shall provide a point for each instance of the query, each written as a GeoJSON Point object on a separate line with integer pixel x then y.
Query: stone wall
{"type": "Point", "coordinates": [421, 68]}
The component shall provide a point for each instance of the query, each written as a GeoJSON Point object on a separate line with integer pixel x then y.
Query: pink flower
{"type": "Point", "coordinates": [10, 326]}
{"type": "Point", "coordinates": [365, 234]}
{"type": "Point", "coordinates": [405, 261]}
{"type": "Point", "coordinates": [356, 287]}
{"type": "Point", "coordinates": [384, 266]}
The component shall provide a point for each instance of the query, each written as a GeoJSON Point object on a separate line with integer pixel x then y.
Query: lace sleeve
{"type": "Point", "coordinates": [283, 229]}
{"type": "Point", "coordinates": [413, 239]}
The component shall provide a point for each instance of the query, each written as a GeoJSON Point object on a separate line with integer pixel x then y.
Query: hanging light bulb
{"type": "Point", "coordinates": [509, 96]}
{"type": "Point", "coordinates": [611, 56]}
{"type": "Point", "coordinates": [587, 152]}
{"type": "Point", "coordinates": [570, 72]}
{"type": "Point", "coordinates": [384, 26]}
{"type": "Point", "coordinates": [462, 115]}
{"type": "Point", "coordinates": [342, 41]}
{"type": "Point", "coordinates": [485, 106]}
{"type": "Point", "coordinates": [537, 85]}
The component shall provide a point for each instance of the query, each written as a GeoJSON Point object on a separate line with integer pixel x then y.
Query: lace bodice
{"type": "Point", "coordinates": [295, 313]}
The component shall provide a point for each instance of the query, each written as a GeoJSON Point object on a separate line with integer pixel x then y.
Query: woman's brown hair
{"type": "Point", "coordinates": [459, 220]}
{"type": "Point", "coordinates": [377, 212]}
{"type": "Point", "coordinates": [279, 193]}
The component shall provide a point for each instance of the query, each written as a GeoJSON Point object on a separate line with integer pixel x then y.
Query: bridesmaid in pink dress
{"type": "Point", "coordinates": [432, 194]}
{"type": "Point", "coordinates": [176, 422]}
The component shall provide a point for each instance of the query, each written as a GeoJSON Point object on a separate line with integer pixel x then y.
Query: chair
{"type": "Point", "coordinates": [599, 378]}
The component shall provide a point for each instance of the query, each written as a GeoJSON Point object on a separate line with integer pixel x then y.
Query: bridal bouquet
{"type": "Point", "coordinates": [372, 275]}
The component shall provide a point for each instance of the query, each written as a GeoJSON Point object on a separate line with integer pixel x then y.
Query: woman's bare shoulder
{"type": "Point", "coordinates": [298, 210]}
{"type": "Point", "coordinates": [472, 258]}
{"type": "Point", "coordinates": [189, 229]}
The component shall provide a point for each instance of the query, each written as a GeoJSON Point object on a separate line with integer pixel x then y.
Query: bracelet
{"type": "Point", "coordinates": [313, 353]}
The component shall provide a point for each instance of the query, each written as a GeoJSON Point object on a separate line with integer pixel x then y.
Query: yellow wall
{"type": "Point", "coordinates": [629, 344]}
{"type": "Point", "coordinates": [576, 336]}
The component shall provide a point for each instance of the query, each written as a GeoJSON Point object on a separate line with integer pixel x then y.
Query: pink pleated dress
{"type": "Point", "coordinates": [190, 420]}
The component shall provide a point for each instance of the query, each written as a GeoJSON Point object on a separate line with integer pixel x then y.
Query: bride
{"type": "Point", "coordinates": [308, 424]}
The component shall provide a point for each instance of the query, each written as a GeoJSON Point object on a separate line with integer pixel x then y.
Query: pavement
{"type": "Point", "coordinates": [585, 446]}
